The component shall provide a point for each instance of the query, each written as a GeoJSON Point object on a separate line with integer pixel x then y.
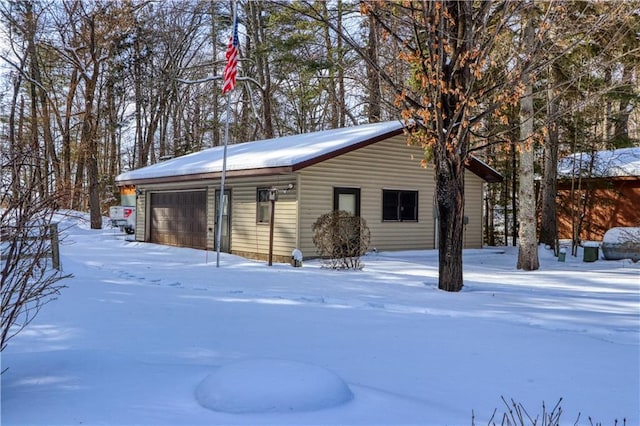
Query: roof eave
{"type": "Point", "coordinates": [565, 182]}
{"type": "Point", "coordinates": [266, 171]}
{"type": "Point", "coordinates": [483, 170]}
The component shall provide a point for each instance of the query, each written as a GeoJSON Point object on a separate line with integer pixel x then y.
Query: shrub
{"type": "Point", "coordinates": [516, 415]}
{"type": "Point", "coordinates": [341, 238]}
{"type": "Point", "coordinates": [28, 277]}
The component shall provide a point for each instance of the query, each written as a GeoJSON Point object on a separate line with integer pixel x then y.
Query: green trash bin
{"type": "Point", "coordinates": [590, 253]}
{"type": "Point", "coordinates": [562, 255]}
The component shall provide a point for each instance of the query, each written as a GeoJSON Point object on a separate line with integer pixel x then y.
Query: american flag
{"type": "Point", "coordinates": [231, 69]}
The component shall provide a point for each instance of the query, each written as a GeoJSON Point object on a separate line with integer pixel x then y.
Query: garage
{"type": "Point", "coordinates": [179, 218]}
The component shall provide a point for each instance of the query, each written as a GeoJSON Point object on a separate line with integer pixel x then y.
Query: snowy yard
{"type": "Point", "coordinates": [149, 334]}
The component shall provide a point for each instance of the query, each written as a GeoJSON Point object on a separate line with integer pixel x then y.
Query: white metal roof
{"type": "Point", "coordinates": [278, 152]}
{"type": "Point", "coordinates": [616, 163]}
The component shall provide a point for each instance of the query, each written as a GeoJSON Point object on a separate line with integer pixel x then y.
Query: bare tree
{"type": "Point", "coordinates": [257, 31]}
{"type": "Point", "coordinates": [447, 48]}
{"type": "Point", "coordinates": [528, 247]}
{"type": "Point", "coordinates": [27, 279]}
{"type": "Point", "coordinates": [451, 46]}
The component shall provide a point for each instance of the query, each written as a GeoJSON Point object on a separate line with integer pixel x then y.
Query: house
{"type": "Point", "coordinates": [599, 191]}
{"type": "Point", "coordinates": [368, 170]}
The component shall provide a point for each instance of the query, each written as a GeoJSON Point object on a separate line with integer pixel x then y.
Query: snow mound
{"type": "Point", "coordinates": [620, 235]}
{"type": "Point", "coordinates": [621, 243]}
{"type": "Point", "coordinates": [269, 385]}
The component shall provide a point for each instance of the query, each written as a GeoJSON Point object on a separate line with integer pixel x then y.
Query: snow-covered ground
{"type": "Point", "coordinates": [156, 335]}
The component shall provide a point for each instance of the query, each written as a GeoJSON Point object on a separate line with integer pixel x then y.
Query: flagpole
{"type": "Point", "coordinates": [224, 159]}
{"type": "Point", "coordinates": [222, 179]}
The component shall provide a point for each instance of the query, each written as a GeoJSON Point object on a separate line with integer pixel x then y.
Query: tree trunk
{"type": "Point", "coordinates": [35, 156]}
{"type": "Point", "coordinates": [66, 200]}
{"type": "Point", "coordinates": [216, 128]}
{"type": "Point", "coordinates": [77, 199]}
{"type": "Point", "coordinates": [549, 219]}
{"type": "Point", "coordinates": [112, 168]}
{"type": "Point", "coordinates": [528, 248]}
{"type": "Point", "coordinates": [514, 194]}
{"type": "Point", "coordinates": [334, 119]}
{"type": "Point", "coordinates": [621, 128]}
{"type": "Point", "coordinates": [257, 30]}
{"type": "Point", "coordinates": [45, 116]}
{"type": "Point", "coordinates": [341, 68]}
{"type": "Point", "coordinates": [450, 205]}
{"type": "Point", "coordinates": [138, 160]}
{"type": "Point", "coordinates": [14, 142]}
{"type": "Point", "coordinates": [608, 107]}
{"type": "Point", "coordinates": [88, 133]}
{"type": "Point", "coordinates": [373, 86]}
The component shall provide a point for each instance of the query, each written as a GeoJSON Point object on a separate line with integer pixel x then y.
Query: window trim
{"type": "Point", "coordinates": [337, 190]}
{"type": "Point", "coordinates": [399, 205]}
{"type": "Point", "coordinates": [259, 203]}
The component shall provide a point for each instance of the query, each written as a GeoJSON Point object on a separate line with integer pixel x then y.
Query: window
{"type": "Point", "coordinates": [399, 206]}
{"type": "Point", "coordinates": [347, 199]}
{"type": "Point", "coordinates": [262, 205]}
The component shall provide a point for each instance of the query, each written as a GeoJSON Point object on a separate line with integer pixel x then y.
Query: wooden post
{"type": "Point", "coordinates": [273, 210]}
{"type": "Point", "coordinates": [55, 248]}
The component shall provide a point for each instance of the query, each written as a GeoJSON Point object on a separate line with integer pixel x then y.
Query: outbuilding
{"type": "Point", "coordinates": [598, 191]}
{"type": "Point", "coordinates": [368, 170]}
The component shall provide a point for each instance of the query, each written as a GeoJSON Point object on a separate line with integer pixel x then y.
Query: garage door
{"type": "Point", "coordinates": [179, 218]}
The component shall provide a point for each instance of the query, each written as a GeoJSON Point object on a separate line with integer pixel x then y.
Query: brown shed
{"type": "Point", "coordinates": [602, 189]}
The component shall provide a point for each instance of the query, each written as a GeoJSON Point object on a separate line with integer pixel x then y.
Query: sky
{"type": "Point", "coordinates": [155, 335]}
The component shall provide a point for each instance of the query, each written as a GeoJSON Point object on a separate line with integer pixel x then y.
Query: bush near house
{"type": "Point", "coordinates": [341, 238]}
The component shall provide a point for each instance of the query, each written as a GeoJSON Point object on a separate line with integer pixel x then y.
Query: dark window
{"type": "Point", "coordinates": [262, 205]}
{"type": "Point", "coordinates": [399, 206]}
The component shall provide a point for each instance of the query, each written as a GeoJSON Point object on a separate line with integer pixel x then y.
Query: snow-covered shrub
{"type": "Point", "coordinates": [341, 238]}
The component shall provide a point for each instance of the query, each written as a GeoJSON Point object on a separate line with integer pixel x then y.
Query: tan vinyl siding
{"type": "Point", "coordinates": [251, 239]}
{"type": "Point", "coordinates": [247, 238]}
{"type": "Point", "coordinates": [473, 199]}
{"type": "Point", "coordinates": [388, 164]}
{"type": "Point", "coordinates": [141, 214]}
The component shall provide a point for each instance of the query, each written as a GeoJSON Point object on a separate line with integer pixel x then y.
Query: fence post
{"type": "Point", "coordinates": [55, 248]}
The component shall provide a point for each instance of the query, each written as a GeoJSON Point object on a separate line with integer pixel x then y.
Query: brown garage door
{"type": "Point", "coordinates": [179, 218]}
